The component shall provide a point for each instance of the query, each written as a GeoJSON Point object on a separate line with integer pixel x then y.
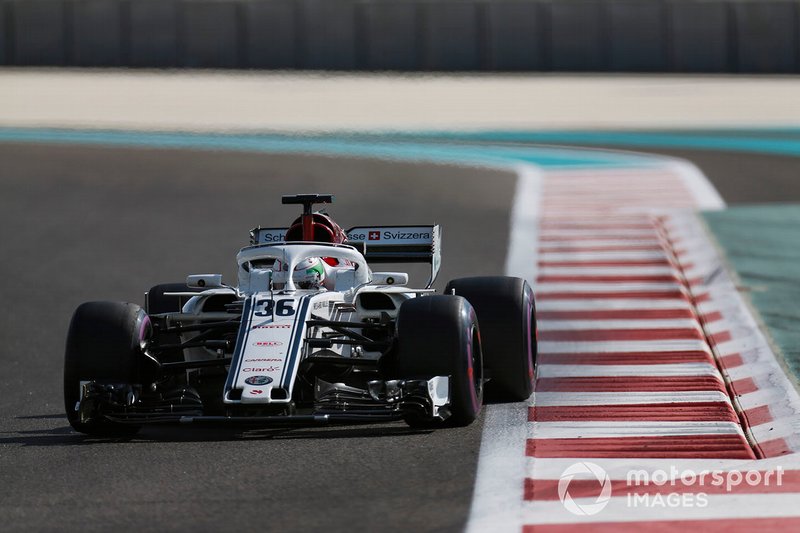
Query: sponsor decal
{"type": "Point", "coordinates": [272, 326]}
{"type": "Point", "coordinates": [256, 392]}
{"type": "Point", "coordinates": [265, 360]}
{"type": "Point", "coordinates": [272, 236]}
{"type": "Point", "coordinates": [258, 380]}
{"type": "Point", "coordinates": [322, 305]}
{"type": "Point", "coordinates": [405, 235]}
{"type": "Point", "coordinates": [265, 369]}
{"type": "Point", "coordinates": [266, 344]}
{"type": "Point", "coordinates": [391, 234]}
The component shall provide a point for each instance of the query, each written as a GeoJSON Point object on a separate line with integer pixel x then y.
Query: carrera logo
{"type": "Point", "coordinates": [273, 326]}
{"type": "Point", "coordinates": [266, 344]}
{"type": "Point", "coordinates": [265, 369]}
{"type": "Point", "coordinates": [374, 235]}
{"type": "Point", "coordinates": [405, 236]}
{"type": "Point", "coordinates": [264, 360]}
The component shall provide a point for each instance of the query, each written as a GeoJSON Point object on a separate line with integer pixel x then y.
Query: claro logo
{"type": "Point", "coordinates": [261, 369]}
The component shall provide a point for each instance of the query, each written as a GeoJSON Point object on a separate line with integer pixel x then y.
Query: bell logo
{"type": "Point", "coordinates": [584, 471]}
{"type": "Point", "coordinates": [374, 235]}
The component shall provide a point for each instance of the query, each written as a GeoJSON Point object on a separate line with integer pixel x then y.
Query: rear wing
{"type": "Point", "coordinates": [261, 235]}
{"type": "Point", "coordinates": [400, 244]}
{"type": "Point", "coordinates": [381, 244]}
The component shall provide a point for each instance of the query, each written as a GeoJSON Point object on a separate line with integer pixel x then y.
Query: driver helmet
{"type": "Point", "coordinates": [308, 274]}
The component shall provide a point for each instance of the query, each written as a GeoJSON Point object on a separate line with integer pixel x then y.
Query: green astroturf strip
{"type": "Point", "coordinates": [762, 245]}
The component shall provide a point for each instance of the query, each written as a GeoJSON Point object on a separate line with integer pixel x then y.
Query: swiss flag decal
{"type": "Point", "coordinates": [374, 235]}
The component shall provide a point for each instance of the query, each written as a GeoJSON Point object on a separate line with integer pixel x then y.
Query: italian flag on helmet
{"type": "Point", "coordinates": [309, 273]}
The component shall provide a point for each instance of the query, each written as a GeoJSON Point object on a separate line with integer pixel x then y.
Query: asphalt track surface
{"type": "Point", "coordinates": [82, 223]}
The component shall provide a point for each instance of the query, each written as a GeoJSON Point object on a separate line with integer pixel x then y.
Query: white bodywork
{"type": "Point", "coordinates": [270, 343]}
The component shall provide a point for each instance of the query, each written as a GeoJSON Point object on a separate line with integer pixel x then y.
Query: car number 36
{"type": "Point", "coordinates": [278, 308]}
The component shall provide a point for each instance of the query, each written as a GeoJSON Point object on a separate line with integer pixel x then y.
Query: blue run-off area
{"type": "Point", "coordinates": [761, 244]}
{"type": "Point", "coordinates": [381, 146]}
{"type": "Point", "coordinates": [775, 141]}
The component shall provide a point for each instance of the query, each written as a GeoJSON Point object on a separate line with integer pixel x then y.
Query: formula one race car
{"type": "Point", "coordinates": [311, 335]}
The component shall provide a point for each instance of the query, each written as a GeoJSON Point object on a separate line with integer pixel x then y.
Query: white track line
{"type": "Point", "coordinates": [705, 195]}
{"type": "Point", "coordinates": [674, 369]}
{"type": "Point", "coordinates": [596, 233]}
{"type": "Point", "coordinates": [552, 468]}
{"type": "Point", "coordinates": [524, 238]}
{"type": "Point", "coordinates": [630, 428]}
{"type": "Point", "coordinates": [777, 429]}
{"type": "Point", "coordinates": [609, 286]}
{"type": "Point", "coordinates": [602, 256]}
{"type": "Point", "coordinates": [502, 467]}
{"type": "Point", "coordinates": [723, 506]}
{"type": "Point", "coordinates": [661, 323]}
{"type": "Point", "coordinates": [594, 243]}
{"type": "Point", "coordinates": [607, 271]}
{"type": "Point", "coordinates": [552, 399]}
{"type": "Point", "coordinates": [616, 304]}
{"type": "Point", "coordinates": [567, 347]}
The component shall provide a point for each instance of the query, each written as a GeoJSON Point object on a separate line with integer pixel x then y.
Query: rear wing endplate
{"type": "Point", "coordinates": [400, 244]}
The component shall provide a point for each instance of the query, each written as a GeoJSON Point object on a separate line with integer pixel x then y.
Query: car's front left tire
{"type": "Point", "coordinates": [104, 344]}
{"type": "Point", "coordinates": [439, 336]}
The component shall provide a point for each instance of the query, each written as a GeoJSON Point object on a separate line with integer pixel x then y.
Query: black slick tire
{"type": "Point", "coordinates": [439, 336]}
{"type": "Point", "coordinates": [507, 314]}
{"type": "Point", "coordinates": [103, 344]}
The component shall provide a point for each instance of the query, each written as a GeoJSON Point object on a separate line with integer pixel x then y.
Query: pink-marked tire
{"type": "Point", "coordinates": [507, 314]}
{"type": "Point", "coordinates": [104, 343]}
{"type": "Point", "coordinates": [439, 336]}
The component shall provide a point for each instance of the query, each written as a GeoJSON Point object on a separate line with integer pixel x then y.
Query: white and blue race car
{"type": "Point", "coordinates": [311, 335]}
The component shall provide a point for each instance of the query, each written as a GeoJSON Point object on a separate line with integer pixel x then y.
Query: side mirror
{"type": "Point", "coordinates": [389, 278]}
{"type": "Point", "coordinates": [204, 281]}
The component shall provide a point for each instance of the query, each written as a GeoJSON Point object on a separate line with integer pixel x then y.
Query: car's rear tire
{"type": "Point", "coordinates": [439, 336]}
{"type": "Point", "coordinates": [507, 314]}
{"type": "Point", "coordinates": [103, 344]}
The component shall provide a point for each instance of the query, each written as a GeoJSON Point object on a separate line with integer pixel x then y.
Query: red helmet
{"type": "Point", "coordinates": [324, 229]}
